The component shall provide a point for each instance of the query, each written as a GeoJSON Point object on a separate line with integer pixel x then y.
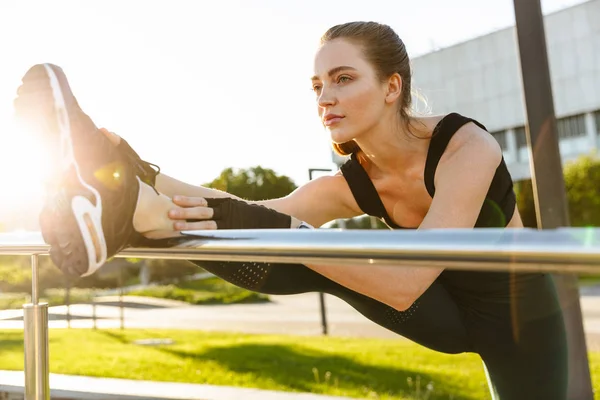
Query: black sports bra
{"type": "Point", "coordinates": [496, 211]}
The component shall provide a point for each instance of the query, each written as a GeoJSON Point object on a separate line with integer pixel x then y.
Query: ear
{"type": "Point", "coordinates": [393, 89]}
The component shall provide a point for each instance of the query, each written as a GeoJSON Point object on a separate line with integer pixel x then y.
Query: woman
{"type": "Point", "coordinates": [414, 173]}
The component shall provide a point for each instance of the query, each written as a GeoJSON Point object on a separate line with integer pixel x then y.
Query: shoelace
{"type": "Point", "coordinates": [147, 171]}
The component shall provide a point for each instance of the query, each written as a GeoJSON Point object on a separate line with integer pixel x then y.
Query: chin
{"type": "Point", "coordinates": [340, 136]}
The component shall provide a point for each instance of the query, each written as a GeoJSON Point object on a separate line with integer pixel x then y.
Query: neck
{"type": "Point", "coordinates": [390, 147]}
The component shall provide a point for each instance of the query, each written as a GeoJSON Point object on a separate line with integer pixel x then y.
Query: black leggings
{"type": "Point", "coordinates": [517, 328]}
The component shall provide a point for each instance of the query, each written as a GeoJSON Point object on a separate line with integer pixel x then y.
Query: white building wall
{"type": "Point", "coordinates": [481, 78]}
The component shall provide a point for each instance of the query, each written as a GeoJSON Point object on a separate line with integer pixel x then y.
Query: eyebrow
{"type": "Point", "coordinates": [334, 71]}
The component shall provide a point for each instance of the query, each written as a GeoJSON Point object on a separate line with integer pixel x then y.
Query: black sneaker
{"type": "Point", "coordinates": [92, 194]}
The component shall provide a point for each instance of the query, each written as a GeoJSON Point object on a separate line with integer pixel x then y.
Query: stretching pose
{"type": "Point", "coordinates": [412, 172]}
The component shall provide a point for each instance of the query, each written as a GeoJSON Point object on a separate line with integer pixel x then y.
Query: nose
{"type": "Point", "coordinates": [326, 98]}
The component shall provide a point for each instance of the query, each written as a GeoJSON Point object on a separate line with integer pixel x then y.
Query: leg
{"type": "Point", "coordinates": [95, 188]}
{"type": "Point", "coordinates": [434, 320]}
{"type": "Point", "coordinates": [102, 201]}
{"type": "Point", "coordinates": [92, 191]}
{"type": "Point", "coordinates": [532, 369]}
{"type": "Point", "coordinates": [524, 346]}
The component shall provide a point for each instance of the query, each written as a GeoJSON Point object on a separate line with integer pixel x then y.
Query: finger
{"type": "Point", "coordinates": [191, 213]}
{"type": "Point", "coordinates": [185, 201]}
{"type": "Point", "coordinates": [195, 226]}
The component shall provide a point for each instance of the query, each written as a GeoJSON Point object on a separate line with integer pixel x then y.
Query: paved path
{"type": "Point", "coordinates": [295, 314]}
{"type": "Point", "coordinates": [65, 387]}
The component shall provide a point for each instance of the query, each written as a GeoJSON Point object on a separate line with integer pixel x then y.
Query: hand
{"type": "Point", "coordinates": [193, 213]}
{"type": "Point", "coordinates": [225, 213]}
{"type": "Point", "coordinates": [199, 213]}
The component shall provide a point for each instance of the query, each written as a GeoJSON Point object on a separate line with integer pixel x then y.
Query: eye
{"type": "Point", "coordinates": [344, 79]}
{"type": "Point", "coordinates": [316, 88]}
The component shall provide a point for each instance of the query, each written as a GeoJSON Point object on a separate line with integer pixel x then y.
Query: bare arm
{"type": "Point", "coordinates": [170, 187]}
{"type": "Point", "coordinates": [317, 202]}
{"type": "Point", "coordinates": [462, 180]}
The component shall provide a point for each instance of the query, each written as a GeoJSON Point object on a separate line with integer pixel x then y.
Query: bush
{"type": "Point", "coordinates": [15, 275]}
{"type": "Point", "coordinates": [169, 270]}
{"type": "Point", "coordinates": [207, 291]}
{"type": "Point", "coordinates": [54, 297]}
{"type": "Point", "coordinates": [582, 180]}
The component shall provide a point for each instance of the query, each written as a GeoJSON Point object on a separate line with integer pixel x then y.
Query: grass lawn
{"type": "Point", "coordinates": [360, 368]}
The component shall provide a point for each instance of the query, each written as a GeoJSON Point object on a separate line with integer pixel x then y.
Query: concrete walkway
{"type": "Point", "coordinates": [88, 388]}
{"type": "Point", "coordinates": [287, 315]}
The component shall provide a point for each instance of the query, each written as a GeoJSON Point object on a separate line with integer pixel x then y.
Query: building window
{"type": "Point", "coordinates": [570, 127]}
{"type": "Point", "coordinates": [500, 137]}
{"type": "Point", "coordinates": [520, 137]}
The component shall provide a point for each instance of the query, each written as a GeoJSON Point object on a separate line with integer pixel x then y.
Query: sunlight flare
{"type": "Point", "coordinates": [24, 164]}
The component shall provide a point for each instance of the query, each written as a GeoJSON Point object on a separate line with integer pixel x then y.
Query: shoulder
{"type": "Point", "coordinates": [474, 142]}
{"type": "Point", "coordinates": [335, 187]}
{"type": "Point", "coordinates": [463, 178]}
{"type": "Point", "coordinates": [472, 154]}
{"type": "Point", "coordinates": [329, 184]}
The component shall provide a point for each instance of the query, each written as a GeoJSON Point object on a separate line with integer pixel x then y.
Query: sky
{"type": "Point", "coordinates": [198, 86]}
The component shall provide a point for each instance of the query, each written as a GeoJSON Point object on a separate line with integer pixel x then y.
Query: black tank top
{"type": "Point", "coordinates": [468, 287]}
{"type": "Point", "coordinates": [496, 211]}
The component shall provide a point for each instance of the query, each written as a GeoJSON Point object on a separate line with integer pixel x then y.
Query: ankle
{"type": "Point", "coordinates": [151, 212]}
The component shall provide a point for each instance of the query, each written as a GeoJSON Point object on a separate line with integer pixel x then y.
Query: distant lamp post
{"type": "Point", "coordinates": [321, 296]}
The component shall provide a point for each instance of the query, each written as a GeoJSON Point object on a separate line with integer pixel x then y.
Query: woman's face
{"type": "Point", "coordinates": [350, 97]}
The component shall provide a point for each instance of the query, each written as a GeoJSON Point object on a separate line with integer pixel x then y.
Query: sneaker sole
{"type": "Point", "coordinates": [84, 240]}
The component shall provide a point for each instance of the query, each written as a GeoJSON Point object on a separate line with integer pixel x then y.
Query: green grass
{"type": "Point", "coordinates": [588, 280]}
{"type": "Point", "coordinates": [360, 368]}
{"type": "Point", "coordinates": [205, 291]}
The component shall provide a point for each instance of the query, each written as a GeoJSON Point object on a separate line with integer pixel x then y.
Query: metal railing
{"type": "Point", "coordinates": [570, 250]}
{"type": "Point", "coordinates": [564, 250]}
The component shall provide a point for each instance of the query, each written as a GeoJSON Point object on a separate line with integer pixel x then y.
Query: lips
{"type": "Point", "coordinates": [331, 119]}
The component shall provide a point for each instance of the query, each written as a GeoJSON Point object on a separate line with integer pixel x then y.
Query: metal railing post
{"type": "Point", "coordinates": [322, 308]}
{"type": "Point", "coordinates": [35, 318]}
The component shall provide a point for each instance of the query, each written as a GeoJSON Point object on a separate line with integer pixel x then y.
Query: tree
{"type": "Point", "coordinates": [525, 202]}
{"type": "Point", "coordinates": [255, 183]}
{"type": "Point", "coordinates": [582, 179]}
